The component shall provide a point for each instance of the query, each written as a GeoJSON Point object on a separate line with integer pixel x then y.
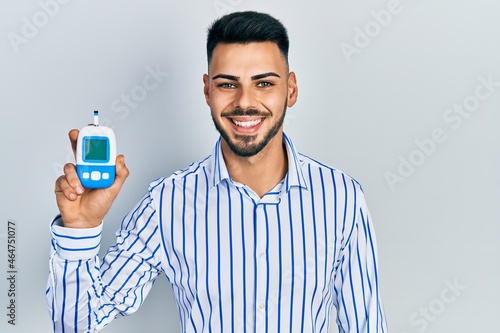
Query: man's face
{"type": "Point", "coordinates": [248, 89]}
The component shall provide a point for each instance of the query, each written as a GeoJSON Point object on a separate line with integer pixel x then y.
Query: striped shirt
{"type": "Point", "coordinates": [237, 262]}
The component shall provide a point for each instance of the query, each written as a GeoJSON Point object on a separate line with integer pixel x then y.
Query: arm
{"type": "Point", "coordinates": [84, 295]}
{"type": "Point", "coordinates": [358, 298]}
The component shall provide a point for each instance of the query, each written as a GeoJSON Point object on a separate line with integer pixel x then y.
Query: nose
{"type": "Point", "coordinates": [245, 98]}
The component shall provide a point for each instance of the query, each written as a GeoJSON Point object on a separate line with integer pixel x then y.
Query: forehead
{"type": "Point", "coordinates": [251, 58]}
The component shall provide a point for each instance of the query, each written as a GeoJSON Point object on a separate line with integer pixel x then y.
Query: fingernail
{"type": "Point", "coordinates": [72, 196]}
{"type": "Point", "coordinates": [79, 190]}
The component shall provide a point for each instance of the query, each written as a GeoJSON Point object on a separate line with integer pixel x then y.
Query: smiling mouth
{"type": "Point", "coordinates": [247, 123]}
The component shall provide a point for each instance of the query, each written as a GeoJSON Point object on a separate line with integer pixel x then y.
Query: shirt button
{"type": "Point", "coordinates": [262, 255]}
{"type": "Point", "coordinates": [262, 306]}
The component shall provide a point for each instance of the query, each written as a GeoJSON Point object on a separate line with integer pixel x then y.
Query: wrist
{"type": "Point", "coordinates": [73, 223]}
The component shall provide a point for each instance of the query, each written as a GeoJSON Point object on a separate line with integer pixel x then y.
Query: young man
{"type": "Point", "coordinates": [255, 237]}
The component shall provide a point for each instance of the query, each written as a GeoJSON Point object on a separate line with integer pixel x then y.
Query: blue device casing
{"type": "Point", "coordinates": [96, 176]}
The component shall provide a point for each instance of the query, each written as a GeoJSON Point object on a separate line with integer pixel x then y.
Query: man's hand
{"type": "Point", "coordinates": [82, 207]}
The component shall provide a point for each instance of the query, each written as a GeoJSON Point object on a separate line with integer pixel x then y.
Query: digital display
{"type": "Point", "coordinates": [95, 149]}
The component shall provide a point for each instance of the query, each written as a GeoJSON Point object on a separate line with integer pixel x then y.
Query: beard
{"type": "Point", "coordinates": [245, 145]}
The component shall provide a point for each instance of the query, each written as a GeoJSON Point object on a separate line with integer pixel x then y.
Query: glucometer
{"type": "Point", "coordinates": [95, 155]}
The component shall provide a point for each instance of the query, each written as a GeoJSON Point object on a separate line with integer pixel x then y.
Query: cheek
{"type": "Point", "coordinates": [219, 101]}
{"type": "Point", "coordinates": [273, 101]}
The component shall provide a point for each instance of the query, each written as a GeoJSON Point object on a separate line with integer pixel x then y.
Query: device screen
{"type": "Point", "coordinates": [95, 149]}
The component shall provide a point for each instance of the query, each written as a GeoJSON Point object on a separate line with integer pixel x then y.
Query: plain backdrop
{"type": "Point", "coordinates": [402, 95]}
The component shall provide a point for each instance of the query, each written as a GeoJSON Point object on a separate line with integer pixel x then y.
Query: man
{"type": "Point", "coordinates": [255, 237]}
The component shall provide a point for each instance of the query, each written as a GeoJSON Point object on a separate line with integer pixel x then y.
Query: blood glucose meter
{"type": "Point", "coordinates": [95, 155]}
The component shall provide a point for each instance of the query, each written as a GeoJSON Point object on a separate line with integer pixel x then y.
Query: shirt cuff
{"type": "Point", "coordinates": [75, 244]}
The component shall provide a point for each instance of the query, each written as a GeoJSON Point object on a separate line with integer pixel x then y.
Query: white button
{"type": "Point", "coordinates": [262, 255]}
{"type": "Point", "coordinates": [95, 175]}
{"type": "Point", "coordinates": [262, 306]}
{"type": "Point", "coordinates": [86, 175]}
{"type": "Point", "coordinates": [105, 175]}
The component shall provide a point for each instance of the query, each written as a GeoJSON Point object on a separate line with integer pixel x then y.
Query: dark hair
{"type": "Point", "coordinates": [247, 27]}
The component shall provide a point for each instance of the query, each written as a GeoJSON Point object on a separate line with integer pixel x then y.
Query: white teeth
{"type": "Point", "coordinates": [247, 123]}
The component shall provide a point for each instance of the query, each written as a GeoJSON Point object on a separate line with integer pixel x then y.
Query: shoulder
{"type": "Point", "coordinates": [318, 172]}
{"type": "Point", "coordinates": [196, 171]}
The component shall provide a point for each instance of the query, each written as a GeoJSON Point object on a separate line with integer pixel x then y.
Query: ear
{"type": "Point", "coordinates": [293, 89]}
{"type": "Point", "coordinates": [206, 87]}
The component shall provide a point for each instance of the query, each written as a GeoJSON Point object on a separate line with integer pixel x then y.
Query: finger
{"type": "Point", "coordinates": [63, 188]}
{"type": "Point", "coordinates": [73, 137]}
{"type": "Point", "coordinates": [71, 176]}
{"type": "Point", "coordinates": [59, 186]}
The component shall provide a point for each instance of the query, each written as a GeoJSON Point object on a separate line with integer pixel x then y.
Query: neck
{"type": "Point", "coordinates": [261, 172]}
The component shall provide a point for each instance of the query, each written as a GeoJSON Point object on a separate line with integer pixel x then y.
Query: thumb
{"type": "Point", "coordinates": [121, 173]}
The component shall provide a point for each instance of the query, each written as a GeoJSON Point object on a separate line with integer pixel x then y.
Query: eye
{"type": "Point", "coordinates": [226, 85]}
{"type": "Point", "coordinates": [264, 84]}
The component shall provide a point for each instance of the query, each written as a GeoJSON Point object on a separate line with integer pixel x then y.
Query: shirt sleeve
{"type": "Point", "coordinates": [358, 298]}
{"type": "Point", "coordinates": [83, 294]}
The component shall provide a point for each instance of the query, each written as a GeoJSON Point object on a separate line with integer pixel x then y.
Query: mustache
{"type": "Point", "coordinates": [247, 112]}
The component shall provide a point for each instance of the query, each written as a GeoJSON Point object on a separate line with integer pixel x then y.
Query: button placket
{"type": "Point", "coordinates": [261, 256]}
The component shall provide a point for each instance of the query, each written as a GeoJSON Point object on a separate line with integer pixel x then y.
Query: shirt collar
{"type": "Point", "coordinates": [294, 176]}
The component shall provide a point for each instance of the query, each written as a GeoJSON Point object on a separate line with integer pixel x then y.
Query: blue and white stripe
{"type": "Point", "coordinates": [237, 262]}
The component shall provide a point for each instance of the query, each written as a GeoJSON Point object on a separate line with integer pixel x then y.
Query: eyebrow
{"type": "Point", "coordinates": [236, 78]}
{"type": "Point", "coordinates": [264, 75]}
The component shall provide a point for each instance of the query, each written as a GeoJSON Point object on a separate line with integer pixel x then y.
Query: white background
{"type": "Point", "coordinates": [369, 113]}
